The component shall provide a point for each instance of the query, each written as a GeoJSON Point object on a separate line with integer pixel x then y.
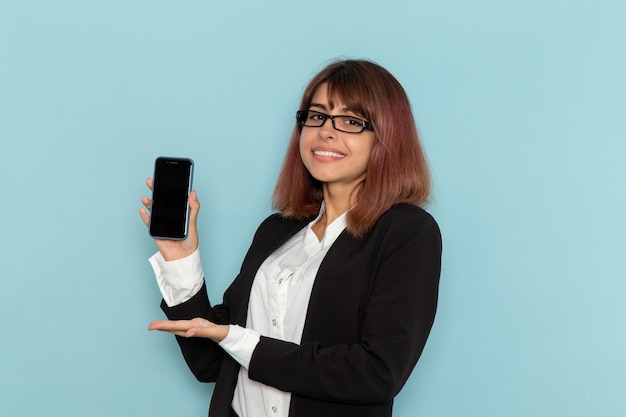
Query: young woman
{"type": "Point", "coordinates": [337, 294]}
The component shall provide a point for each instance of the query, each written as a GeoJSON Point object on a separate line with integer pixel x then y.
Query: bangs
{"type": "Point", "coordinates": [350, 90]}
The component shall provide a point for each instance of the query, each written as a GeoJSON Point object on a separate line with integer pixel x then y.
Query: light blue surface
{"type": "Point", "coordinates": [521, 107]}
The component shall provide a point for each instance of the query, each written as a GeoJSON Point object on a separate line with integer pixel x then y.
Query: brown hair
{"type": "Point", "coordinates": [397, 171]}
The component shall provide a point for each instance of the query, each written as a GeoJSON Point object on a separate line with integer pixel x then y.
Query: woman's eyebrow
{"type": "Point", "coordinates": [325, 108]}
{"type": "Point", "coordinates": [321, 106]}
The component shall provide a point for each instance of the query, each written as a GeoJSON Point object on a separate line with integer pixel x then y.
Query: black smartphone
{"type": "Point", "coordinates": [169, 214]}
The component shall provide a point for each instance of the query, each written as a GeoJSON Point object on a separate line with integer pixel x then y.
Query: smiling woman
{"type": "Point", "coordinates": [397, 171]}
{"type": "Point", "coordinates": [338, 291]}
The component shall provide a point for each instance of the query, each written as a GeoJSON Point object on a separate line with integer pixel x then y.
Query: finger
{"type": "Point", "coordinates": [149, 183]}
{"type": "Point", "coordinates": [181, 334]}
{"type": "Point", "coordinates": [146, 202]}
{"type": "Point", "coordinates": [170, 325]}
{"type": "Point", "coordinates": [194, 208]}
{"type": "Point", "coordinates": [145, 217]}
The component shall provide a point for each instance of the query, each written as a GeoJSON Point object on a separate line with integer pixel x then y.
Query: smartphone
{"type": "Point", "coordinates": [169, 214]}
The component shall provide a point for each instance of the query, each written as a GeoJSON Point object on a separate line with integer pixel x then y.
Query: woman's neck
{"type": "Point", "coordinates": [337, 200]}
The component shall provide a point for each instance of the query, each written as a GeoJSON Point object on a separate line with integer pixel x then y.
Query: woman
{"type": "Point", "coordinates": [338, 291]}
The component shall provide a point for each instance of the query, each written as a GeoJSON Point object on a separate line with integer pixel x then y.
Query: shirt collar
{"type": "Point", "coordinates": [332, 231]}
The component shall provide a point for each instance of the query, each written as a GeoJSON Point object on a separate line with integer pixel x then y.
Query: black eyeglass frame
{"type": "Point", "coordinates": [302, 116]}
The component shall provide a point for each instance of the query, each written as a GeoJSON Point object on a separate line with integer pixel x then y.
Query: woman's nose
{"type": "Point", "coordinates": [327, 130]}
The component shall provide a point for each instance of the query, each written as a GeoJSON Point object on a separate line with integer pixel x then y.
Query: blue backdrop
{"type": "Point", "coordinates": [521, 108]}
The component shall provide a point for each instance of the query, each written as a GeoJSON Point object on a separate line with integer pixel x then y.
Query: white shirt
{"type": "Point", "coordinates": [278, 304]}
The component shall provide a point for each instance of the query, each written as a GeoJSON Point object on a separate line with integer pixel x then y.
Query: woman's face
{"type": "Point", "coordinates": [338, 159]}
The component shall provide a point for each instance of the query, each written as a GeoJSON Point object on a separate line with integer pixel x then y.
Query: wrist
{"type": "Point", "coordinates": [221, 333]}
{"type": "Point", "coordinates": [175, 254]}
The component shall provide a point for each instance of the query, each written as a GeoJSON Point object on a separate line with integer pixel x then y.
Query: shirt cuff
{"type": "Point", "coordinates": [178, 280]}
{"type": "Point", "coordinates": [240, 343]}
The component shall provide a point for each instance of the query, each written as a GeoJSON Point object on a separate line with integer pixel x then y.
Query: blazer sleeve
{"type": "Point", "coordinates": [398, 315]}
{"type": "Point", "coordinates": [203, 356]}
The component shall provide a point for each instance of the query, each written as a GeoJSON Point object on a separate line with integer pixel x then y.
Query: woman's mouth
{"type": "Point", "coordinates": [329, 154]}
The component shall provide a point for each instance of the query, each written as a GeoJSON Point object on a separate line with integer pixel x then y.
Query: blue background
{"type": "Point", "coordinates": [520, 106]}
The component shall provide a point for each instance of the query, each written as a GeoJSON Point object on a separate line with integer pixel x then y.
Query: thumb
{"type": "Point", "coordinates": [194, 206]}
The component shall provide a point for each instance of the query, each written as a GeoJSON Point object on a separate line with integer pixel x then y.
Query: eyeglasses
{"type": "Point", "coordinates": [348, 124]}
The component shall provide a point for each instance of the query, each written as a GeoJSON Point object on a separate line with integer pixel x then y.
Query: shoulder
{"type": "Point", "coordinates": [277, 221]}
{"type": "Point", "coordinates": [407, 216]}
{"type": "Point", "coordinates": [271, 233]}
{"type": "Point", "coordinates": [406, 224]}
{"type": "Point", "coordinates": [277, 226]}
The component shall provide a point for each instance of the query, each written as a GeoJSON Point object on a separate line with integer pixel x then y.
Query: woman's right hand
{"type": "Point", "coordinates": [174, 249]}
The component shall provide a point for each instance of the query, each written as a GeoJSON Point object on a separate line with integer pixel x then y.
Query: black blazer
{"type": "Point", "coordinates": [371, 309]}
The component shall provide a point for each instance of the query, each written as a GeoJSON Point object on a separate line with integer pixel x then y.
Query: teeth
{"type": "Point", "coordinates": [328, 153]}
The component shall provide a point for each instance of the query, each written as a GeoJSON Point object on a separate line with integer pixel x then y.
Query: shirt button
{"type": "Point", "coordinates": [274, 409]}
{"type": "Point", "coordinates": [280, 281]}
{"type": "Point", "coordinates": [273, 322]}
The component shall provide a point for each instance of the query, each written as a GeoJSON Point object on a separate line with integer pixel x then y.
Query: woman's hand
{"type": "Point", "coordinates": [175, 249]}
{"type": "Point", "coordinates": [197, 327]}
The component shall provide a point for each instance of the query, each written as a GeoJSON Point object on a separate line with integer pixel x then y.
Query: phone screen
{"type": "Point", "coordinates": [169, 215]}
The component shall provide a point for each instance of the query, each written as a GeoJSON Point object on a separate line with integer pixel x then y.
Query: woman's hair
{"type": "Point", "coordinates": [397, 171]}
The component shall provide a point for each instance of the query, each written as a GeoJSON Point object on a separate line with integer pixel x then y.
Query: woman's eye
{"type": "Point", "coordinates": [316, 116]}
{"type": "Point", "coordinates": [351, 121]}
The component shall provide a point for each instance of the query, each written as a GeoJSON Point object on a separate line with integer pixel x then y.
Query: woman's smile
{"type": "Point", "coordinates": [327, 154]}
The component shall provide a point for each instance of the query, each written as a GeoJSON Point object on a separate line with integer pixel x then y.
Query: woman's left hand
{"type": "Point", "coordinates": [197, 327]}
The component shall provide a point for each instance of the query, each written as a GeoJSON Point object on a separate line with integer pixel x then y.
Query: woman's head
{"type": "Point", "coordinates": [397, 170]}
